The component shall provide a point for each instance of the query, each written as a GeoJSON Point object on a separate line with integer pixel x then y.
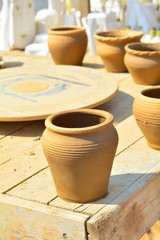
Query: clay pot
{"type": "Point", "coordinates": [67, 45]}
{"type": "Point", "coordinates": [80, 146]}
{"type": "Point", "coordinates": [110, 47]}
{"type": "Point", "coordinates": [146, 109]}
{"type": "Point", "coordinates": [143, 62]}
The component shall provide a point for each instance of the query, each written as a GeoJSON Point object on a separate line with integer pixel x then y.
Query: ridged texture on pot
{"type": "Point", "coordinates": [143, 62]}
{"type": "Point", "coordinates": [146, 110]}
{"type": "Point", "coordinates": [81, 160]}
{"type": "Point", "coordinates": [110, 47]}
{"type": "Point", "coordinates": [67, 45]}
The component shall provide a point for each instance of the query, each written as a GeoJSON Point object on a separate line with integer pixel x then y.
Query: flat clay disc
{"type": "Point", "coordinates": [33, 96]}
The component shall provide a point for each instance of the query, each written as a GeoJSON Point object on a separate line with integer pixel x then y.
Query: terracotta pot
{"type": "Point", "coordinates": [80, 146]}
{"type": "Point", "coordinates": [110, 47]}
{"type": "Point", "coordinates": [146, 109]}
{"type": "Point", "coordinates": [143, 62]}
{"type": "Point", "coordinates": [67, 45]}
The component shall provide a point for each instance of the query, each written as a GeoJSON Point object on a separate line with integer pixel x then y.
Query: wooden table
{"type": "Point", "coordinates": [30, 207]}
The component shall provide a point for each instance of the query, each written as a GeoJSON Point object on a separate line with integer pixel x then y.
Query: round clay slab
{"type": "Point", "coordinates": [33, 96]}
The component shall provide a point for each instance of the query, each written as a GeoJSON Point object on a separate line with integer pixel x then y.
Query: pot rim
{"type": "Point", "coordinates": [63, 30]}
{"type": "Point", "coordinates": [141, 94]}
{"type": "Point", "coordinates": [131, 49]}
{"type": "Point", "coordinates": [101, 113]}
{"type": "Point", "coordinates": [122, 35]}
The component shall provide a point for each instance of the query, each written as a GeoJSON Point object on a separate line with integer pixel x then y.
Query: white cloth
{"type": "Point", "coordinates": [45, 19]}
{"type": "Point", "coordinates": [141, 16]}
{"type": "Point", "coordinates": [40, 49]}
{"type": "Point", "coordinates": [97, 22]}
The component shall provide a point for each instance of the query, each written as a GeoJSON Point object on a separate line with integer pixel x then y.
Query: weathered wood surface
{"type": "Point", "coordinates": [153, 233]}
{"type": "Point", "coordinates": [28, 193]}
{"type": "Point", "coordinates": [21, 219]}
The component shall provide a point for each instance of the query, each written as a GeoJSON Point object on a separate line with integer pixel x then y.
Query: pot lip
{"type": "Point", "coordinates": [142, 96]}
{"type": "Point", "coordinates": [127, 35]}
{"type": "Point", "coordinates": [64, 130]}
{"type": "Point", "coordinates": [130, 48]}
{"type": "Point", "coordinates": [61, 30]}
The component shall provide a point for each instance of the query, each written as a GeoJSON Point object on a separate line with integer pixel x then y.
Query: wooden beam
{"type": "Point", "coordinates": [21, 219]}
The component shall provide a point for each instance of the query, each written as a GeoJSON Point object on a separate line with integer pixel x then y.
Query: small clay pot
{"type": "Point", "coordinates": [110, 47]}
{"type": "Point", "coordinates": [146, 109]}
{"type": "Point", "coordinates": [67, 45]}
{"type": "Point", "coordinates": [80, 146]}
{"type": "Point", "coordinates": [143, 62]}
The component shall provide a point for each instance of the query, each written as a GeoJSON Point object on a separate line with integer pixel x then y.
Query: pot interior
{"type": "Point", "coordinates": [145, 47]}
{"type": "Point", "coordinates": [119, 34]}
{"type": "Point", "coordinates": [64, 29]}
{"type": "Point", "coordinates": [153, 93]}
{"type": "Point", "coordinates": [77, 120]}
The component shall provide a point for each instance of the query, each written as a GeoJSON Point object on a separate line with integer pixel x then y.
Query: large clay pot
{"type": "Point", "coordinates": [143, 62]}
{"type": "Point", "coordinates": [67, 45]}
{"type": "Point", "coordinates": [80, 146]}
{"type": "Point", "coordinates": [146, 109]}
{"type": "Point", "coordinates": [110, 47]}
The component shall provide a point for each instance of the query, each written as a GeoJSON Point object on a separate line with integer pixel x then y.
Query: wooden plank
{"type": "Point", "coordinates": [153, 233]}
{"type": "Point", "coordinates": [39, 187]}
{"type": "Point", "coordinates": [21, 167]}
{"type": "Point", "coordinates": [126, 170]}
{"type": "Point", "coordinates": [21, 219]}
{"type": "Point", "coordinates": [18, 142]}
{"type": "Point", "coordinates": [58, 202]}
{"type": "Point", "coordinates": [131, 214]}
{"type": "Point", "coordinates": [128, 86]}
{"type": "Point", "coordinates": [119, 106]}
{"type": "Point", "coordinates": [7, 128]}
{"type": "Point", "coordinates": [128, 133]}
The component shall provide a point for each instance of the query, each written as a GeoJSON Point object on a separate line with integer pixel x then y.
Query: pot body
{"type": "Point", "coordinates": [81, 160]}
{"type": "Point", "coordinates": [146, 109]}
{"type": "Point", "coordinates": [143, 63]}
{"type": "Point", "coordinates": [110, 47]}
{"type": "Point", "coordinates": [67, 45]}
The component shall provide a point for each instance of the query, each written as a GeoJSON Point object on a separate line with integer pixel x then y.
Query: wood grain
{"type": "Point", "coordinates": [21, 219]}
{"type": "Point", "coordinates": [29, 206]}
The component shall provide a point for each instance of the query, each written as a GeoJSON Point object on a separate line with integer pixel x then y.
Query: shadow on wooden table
{"type": "Point", "coordinates": [93, 65]}
{"type": "Point", "coordinates": [120, 106]}
{"type": "Point", "coordinates": [12, 64]}
{"type": "Point", "coordinates": [119, 183]}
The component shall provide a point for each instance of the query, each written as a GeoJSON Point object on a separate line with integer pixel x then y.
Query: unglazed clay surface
{"type": "Point", "coordinates": [143, 62]}
{"type": "Point", "coordinates": [67, 45]}
{"type": "Point", "coordinates": [80, 146]}
{"type": "Point", "coordinates": [30, 96]}
{"type": "Point", "coordinates": [146, 109]}
{"type": "Point", "coordinates": [110, 47]}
